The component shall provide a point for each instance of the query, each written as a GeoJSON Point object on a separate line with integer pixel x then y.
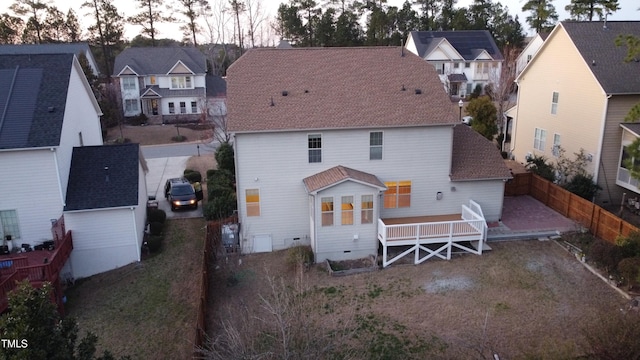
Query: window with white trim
{"type": "Point", "coordinates": [194, 107]}
{"type": "Point", "coordinates": [130, 105]}
{"type": "Point", "coordinates": [252, 197]}
{"type": "Point", "coordinates": [366, 209]}
{"type": "Point", "coordinates": [181, 82]}
{"type": "Point", "coordinates": [9, 224]}
{"type": "Point", "coordinates": [347, 210]}
{"type": "Point", "coordinates": [375, 145]}
{"type": "Point", "coordinates": [398, 194]}
{"type": "Point", "coordinates": [540, 139]}
{"type": "Point", "coordinates": [556, 145]}
{"type": "Point", "coordinates": [129, 82]}
{"type": "Point", "coordinates": [315, 148]}
{"type": "Point", "coordinates": [152, 80]}
{"type": "Point", "coordinates": [554, 102]}
{"type": "Point", "coordinates": [172, 108]}
{"type": "Point", "coordinates": [183, 107]}
{"type": "Point", "coordinates": [327, 211]}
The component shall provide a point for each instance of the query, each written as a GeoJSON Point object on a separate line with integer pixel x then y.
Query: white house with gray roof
{"type": "Point", "coordinates": [463, 59]}
{"type": "Point", "coordinates": [167, 84]}
{"type": "Point", "coordinates": [574, 94]}
{"type": "Point", "coordinates": [332, 145]}
{"type": "Point", "coordinates": [49, 122]}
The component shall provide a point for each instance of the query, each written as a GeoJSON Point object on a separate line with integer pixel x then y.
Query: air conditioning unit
{"type": "Point", "coordinates": [529, 156]}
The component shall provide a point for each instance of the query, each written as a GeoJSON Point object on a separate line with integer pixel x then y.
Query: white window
{"type": "Point", "coordinates": [253, 202]}
{"type": "Point", "coordinates": [172, 108]}
{"type": "Point", "coordinates": [327, 211]}
{"type": "Point", "coordinates": [347, 210]}
{"type": "Point", "coordinates": [129, 82]}
{"type": "Point", "coordinates": [456, 65]}
{"type": "Point", "coordinates": [556, 145]}
{"type": "Point", "coordinates": [439, 67]}
{"type": "Point", "coordinates": [183, 107]}
{"type": "Point", "coordinates": [540, 139]}
{"type": "Point", "coordinates": [366, 216]}
{"type": "Point", "coordinates": [9, 224]}
{"type": "Point", "coordinates": [315, 148]}
{"type": "Point", "coordinates": [375, 145]}
{"type": "Point", "coordinates": [194, 107]}
{"type": "Point", "coordinates": [467, 65]}
{"type": "Point", "coordinates": [130, 105]}
{"type": "Point", "coordinates": [181, 82]}
{"type": "Point", "coordinates": [554, 103]}
{"type": "Point", "coordinates": [398, 194]}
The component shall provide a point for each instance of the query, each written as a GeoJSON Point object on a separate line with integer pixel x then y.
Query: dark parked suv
{"type": "Point", "coordinates": [180, 193]}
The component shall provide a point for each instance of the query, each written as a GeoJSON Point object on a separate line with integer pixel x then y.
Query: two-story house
{"type": "Point", "coordinates": [331, 144]}
{"type": "Point", "coordinates": [50, 138]}
{"type": "Point", "coordinates": [534, 43]}
{"type": "Point", "coordinates": [575, 94]}
{"type": "Point", "coordinates": [167, 84]}
{"type": "Point", "coordinates": [463, 59]}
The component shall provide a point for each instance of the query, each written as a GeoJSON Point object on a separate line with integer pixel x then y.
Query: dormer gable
{"type": "Point", "coordinates": [127, 71]}
{"type": "Point", "coordinates": [481, 54]}
{"type": "Point", "coordinates": [442, 50]}
{"type": "Point", "coordinates": [180, 69]}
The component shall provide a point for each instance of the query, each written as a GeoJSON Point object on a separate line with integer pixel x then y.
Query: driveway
{"type": "Point", "coordinates": [161, 169]}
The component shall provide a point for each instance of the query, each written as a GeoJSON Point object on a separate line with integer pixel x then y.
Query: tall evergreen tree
{"type": "Point", "coordinates": [54, 28]}
{"type": "Point", "coordinates": [586, 9]}
{"type": "Point", "coordinates": [543, 15]}
{"type": "Point", "coordinates": [151, 13]}
{"type": "Point", "coordinates": [73, 26]}
{"type": "Point", "coordinates": [10, 29]}
{"type": "Point", "coordinates": [428, 12]}
{"type": "Point", "coordinates": [289, 23]}
{"type": "Point", "coordinates": [191, 10]}
{"type": "Point", "coordinates": [237, 7]}
{"type": "Point", "coordinates": [34, 11]}
{"type": "Point", "coordinates": [106, 32]}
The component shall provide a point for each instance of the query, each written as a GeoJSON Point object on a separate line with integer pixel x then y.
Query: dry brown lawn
{"type": "Point", "coordinates": [523, 299]}
{"type": "Point", "coordinates": [146, 310]}
{"type": "Point", "coordinates": [156, 134]}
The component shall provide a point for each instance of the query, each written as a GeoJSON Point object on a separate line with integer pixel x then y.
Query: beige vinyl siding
{"type": "Point", "coordinates": [619, 106]}
{"type": "Point", "coordinates": [559, 67]}
{"type": "Point", "coordinates": [29, 184]}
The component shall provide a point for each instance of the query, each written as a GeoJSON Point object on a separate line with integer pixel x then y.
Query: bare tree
{"type": "Point", "coordinates": [255, 17]}
{"type": "Point", "coordinates": [502, 86]}
{"type": "Point", "coordinates": [214, 117]}
{"type": "Point", "coordinates": [238, 7]}
{"type": "Point", "coordinates": [217, 27]}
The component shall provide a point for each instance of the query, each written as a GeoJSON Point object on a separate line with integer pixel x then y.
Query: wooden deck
{"type": "Point", "coordinates": [36, 266]}
{"type": "Point", "coordinates": [434, 236]}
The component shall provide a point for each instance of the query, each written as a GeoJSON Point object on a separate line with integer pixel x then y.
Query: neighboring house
{"type": "Point", "coordinates": [463, 59]}
{"type": "Point", "coordinates": [334, 144]}
{"type": "Point", "coordinates": [106, 207]}
{"type": "Point", "coordinates": [167, 84]}
{"type": "Point", "coordinates": [47, 115]}
{"type": "Point", "coordinates": [78, 49]}
{"type": "Point", "coordinates": [534, 44]}
{"type": "Point", "coordinates": [574, 94]}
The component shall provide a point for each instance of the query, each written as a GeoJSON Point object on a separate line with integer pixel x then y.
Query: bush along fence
{"type": "Point", "coordinates": [600, 222]}
{"type": "Point", "coordinates": [213, 241]}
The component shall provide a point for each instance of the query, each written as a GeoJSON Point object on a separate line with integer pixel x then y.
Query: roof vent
{"type": "Point", "coordinates": [106, 174]}
{"type": "Point", "coordinates": [593, 63]}
{"type": "Point", "coordinates": [403, 88]}
{"type": "Point", "coordinates": [51, 109]}
{"type": "Point", "coordinates": [418, 91]}
{"type": "Point", "coordinates": [272, 103]}
{"type": "Point", "coordinates": [306, 91]}
{"type": "Point", "coordinates": [285, 93]}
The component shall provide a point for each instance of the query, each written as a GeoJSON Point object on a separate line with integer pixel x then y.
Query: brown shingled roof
{"type": "Point", "coordinates": [333, 88]}
{"type": "Point", "coordinates": [475, 158]}
{"type": "Point", "coordinates": [338, 174]}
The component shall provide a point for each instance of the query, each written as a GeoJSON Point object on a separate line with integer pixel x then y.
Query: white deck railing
{"type": "Point", "coordinates": [443, 234]}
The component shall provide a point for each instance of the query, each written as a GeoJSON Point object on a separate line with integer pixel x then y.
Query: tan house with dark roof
{"type": "Point", "coordinates": [332, 142]}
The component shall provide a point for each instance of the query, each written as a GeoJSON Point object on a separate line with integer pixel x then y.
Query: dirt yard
{"type": "Point", "coordinates": [524, 299]}
{"type": "Point", "coordinates": [156, 134]}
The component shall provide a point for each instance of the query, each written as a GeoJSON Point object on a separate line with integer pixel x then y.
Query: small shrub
{"type": "Point", "coordinates": [156, 216]}
{"type": "Point", "coordinates": [630, 245]}
{"type": "Point", "coordinates": [154, 243]}
{"type": "Point", "coordinates": [192, 175]}
{"type": "Point", "coordinates": [137, 120]}
{"type": "Point", "coordinates": [224, 157]}
{"type": "Point", "coordinates": [220, 177]}
{"type": "Point", "coordinates": [606, 255]}
{"type": "Point", "coordinates": [216, 191]}
{"type": "Point", "coordinates": [299, 255]}
{"type": "Point", "coordinates": [583, 186]}
{"type": "Point", "coordinates": [220, 207]}
{"type": "Point", "coordinates": [178, 138]}
{"type": "Point", "coordinates": [629, 268]}
{"type": "Point", "coordinates": [538, 165]}
{"type": "Point", "coordinates": [155, 228]}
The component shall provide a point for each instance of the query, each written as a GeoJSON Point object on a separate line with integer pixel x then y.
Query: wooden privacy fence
{"type": "Point", "coordinates": [599, 221]}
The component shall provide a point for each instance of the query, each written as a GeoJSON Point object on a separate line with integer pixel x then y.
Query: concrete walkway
{"type": "Point", "coordinates": [524, 217]}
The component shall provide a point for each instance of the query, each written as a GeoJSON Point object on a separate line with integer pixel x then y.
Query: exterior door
{"type": "Point", "coordinates": [154, 106]}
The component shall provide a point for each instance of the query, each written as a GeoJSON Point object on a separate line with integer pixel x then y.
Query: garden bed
{"type": "Point", "coordinates": [351, 267]}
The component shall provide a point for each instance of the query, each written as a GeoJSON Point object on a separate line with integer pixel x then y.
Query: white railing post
{"type": "Point", "coordinates": [417, 245]}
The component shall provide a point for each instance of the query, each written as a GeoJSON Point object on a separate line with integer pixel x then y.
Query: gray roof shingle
{"type": "Point", "coordinates": [468, 43]}
{"type": "Point", "coordinates": [70, 48]}
{"type": "Point", "coordinates": [597, 46]}
{"type": "Point", "coordinates": [32, 109]}
{"type": "Point", "coordinates": [334, 88]}
{"type": "Point", "coordinates": [216, 86]}
{"type": "Point", "coordinates": [475, 158]}
{"type": "Point", "coordinates": [103, 177]}
{"type": "Point", "coordinates": [159, 60]}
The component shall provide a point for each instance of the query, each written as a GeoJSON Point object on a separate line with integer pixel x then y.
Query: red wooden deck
{"type": "Point", "coordinates": [37, 266]}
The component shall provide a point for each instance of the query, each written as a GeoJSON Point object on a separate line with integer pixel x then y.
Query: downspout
{"type": "Point", "coordinates": [514, 123]}
{"type": "Point", "coordinates": [55, 160]}
{"type": "Point", "coordinates": [135, 231]}
{"type": "Point", "coordinates": [599, 154]}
